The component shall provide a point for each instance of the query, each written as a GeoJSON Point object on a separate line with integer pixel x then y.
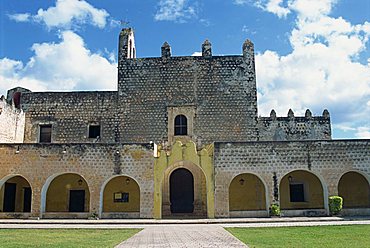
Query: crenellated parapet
{"type": "Point", "coordinates": [292, 127]}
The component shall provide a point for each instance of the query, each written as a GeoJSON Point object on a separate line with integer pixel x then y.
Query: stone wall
{"type": "Point", "coordinates": [220, 89]}
{"type": "Point", "coordinates": [12, 122]}
{"type": "Point", "coordinates": [96, 163]}
{"type": "Point", "coordinates": [306, 127]}
{"type": "Point", "coordinates": [271, 161]}
{"type": "Point", "coordinates": [70, 114]}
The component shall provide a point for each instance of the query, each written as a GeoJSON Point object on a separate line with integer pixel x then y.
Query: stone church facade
{"type": "Point", "coordinates": [181, 137]}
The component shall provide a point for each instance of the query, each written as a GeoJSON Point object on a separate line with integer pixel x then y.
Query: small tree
{"type": "Point", "coordinates": [335, 204]}
{"type": "Point", "coordinates": [275, 209]}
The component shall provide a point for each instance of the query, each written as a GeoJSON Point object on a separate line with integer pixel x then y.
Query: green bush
{"type": "Point", "coordinates": [275, 210]}
{"type": "Point", "coordinates": [335, 204]}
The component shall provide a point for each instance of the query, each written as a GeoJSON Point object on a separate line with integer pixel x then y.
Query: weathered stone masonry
{"type": "Point", "coordinates": [236, 163]}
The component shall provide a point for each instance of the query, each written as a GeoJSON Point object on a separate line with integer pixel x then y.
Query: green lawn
{"type": "Point", "coordinates": [318, 236]}
{"type": "Point", "coordinates": [64, 237]}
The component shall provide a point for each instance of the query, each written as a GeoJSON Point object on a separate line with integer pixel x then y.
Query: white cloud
{"type": "Point", "coordinates": [175, 10]}
{"type": "Point", "coordinates": [67, 13]}
{"type": "Point", "coordinates": [20, 17]}
{"type": "Point", "coordinates": [363, 132]}
{"type": "Point", "coordinates": [273, 6]}
{"type": "Point", "coordinates": [197, 54]}
{"type": "Point", "coordinates": [67, 65]}
{"type": "Point", "coordinates": [322, 71]}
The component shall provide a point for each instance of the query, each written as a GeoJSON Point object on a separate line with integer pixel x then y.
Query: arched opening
{"type": "Point", "coordinates": [121, 195]}
{"type": "Point", "coordinates": [17, 99]}
{"type": "Point", "coordinates": [247, 193]}
{"type": "Point", "coordinates": [68, 193]}
{"type": "Point", "coordinates": [181, 125]}
{"type": "Point", "coordinates": [16, 195]}
{"type": "Point", "coordinates": [182, 191]}
{"type": "Point", "coordinates": [130, 49]}
{"type": "Point", "coordinates": [301, 190]}
{"type": "Point", "coordinates": [354, 189]}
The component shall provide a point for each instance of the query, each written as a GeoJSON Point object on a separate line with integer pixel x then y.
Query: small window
{"type": "Point", "coordinates": [296, 192]}
{"type": "Point", "coordinates": [120, 197]}
{"type": "Point", "coordinates": [181, 125]}
{"type": "Point", "coordinates": [94, 131]}
{"type": "Point", "coordinates": [45, 134]}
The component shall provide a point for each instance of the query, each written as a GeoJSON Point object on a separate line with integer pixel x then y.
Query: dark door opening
{"type": "Point", "coordinates": [9, 197]}
{"type": "Point", "coordinates": [182, 191]}
{"type": "Point", "coordinates": [27, 199]}
{"type": "Point", "coordinates": [76, 200]}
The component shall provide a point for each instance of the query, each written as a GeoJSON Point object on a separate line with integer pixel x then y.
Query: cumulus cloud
{"type": "Point", "coordinates": [175, 10]}
{"type": "Point", "coordinates": [273, 6]}
{"type": "Point", "coordinates": [20, 17]}
{"type": "Point", "coordinates": [67, 65]}
{"type": "Point", "coordinates": [323, 70]}
{"type": "Point", "coordinates": [197, 54]}
{"type": "Point", "coordinates": [65, 14]}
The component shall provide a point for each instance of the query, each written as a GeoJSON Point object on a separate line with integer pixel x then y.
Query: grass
{"type": "Point", "coordinates": [64, 237]}
{"type": "Point", "coordinates": [316, 236]}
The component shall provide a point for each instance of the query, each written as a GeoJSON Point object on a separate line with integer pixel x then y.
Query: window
{"type": "Point", "coordinates": [45, 134]}
{"type": "Point", "coordinates": [296, 192]}
{"type": "Point", "coordinates": [120, 197]}
{"type": "Point", "coordinates": [94, 131]}
{"type": "Point", "coordinates": [181, 125]}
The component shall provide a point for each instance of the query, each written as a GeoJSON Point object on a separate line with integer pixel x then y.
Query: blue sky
{"type": "Point", "coordinates": [309, 53]}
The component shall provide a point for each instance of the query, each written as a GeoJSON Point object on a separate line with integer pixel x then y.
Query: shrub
{"type": "Point", "coordinates": [335, 204]}
{"type": "Point", "coordinates": [275, 210]}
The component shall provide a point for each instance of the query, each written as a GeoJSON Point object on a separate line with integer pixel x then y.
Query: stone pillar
{"type": "Point", "coordinates": [166, 50]}
{"type": "Point", "coordinates": [207, 49]}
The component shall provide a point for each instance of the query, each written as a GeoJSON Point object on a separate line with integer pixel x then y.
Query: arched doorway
{"type": "Point", "coordinates": [302, 190]}
{"type": "Point", "coordinates": [246, 193]}
{"type": "Point", "coordinates": [182, 191]}
{"type": "Point", "coordinates": [16, 195]}
{"type": "Point", "coordinates": [121, 198]}
{"type": "Point", "coordinates": [355, 190]}
{"type": "Point", "coordinates": [68, 193]}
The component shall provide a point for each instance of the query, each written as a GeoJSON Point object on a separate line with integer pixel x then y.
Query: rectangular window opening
{"type": "Point", "coordinates": [296, 192]}
{"type": "Point", "coordinates": [120, 197]}
{"type": "Point", "coordinates": [45, 134]}
{"type": "Point", "coordinates": [94, 131]}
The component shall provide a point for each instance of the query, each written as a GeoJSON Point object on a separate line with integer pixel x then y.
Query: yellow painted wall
{"type": "Point", "coordinates": [354, 189]}
{"type": "Point", "coordinates": [314, 196]}
{"type": "Point", "coordinates": [57, 197]}
{"type": "Point", "coordinates": [19, 195]}
{"type": "Point", "coordinates": [186, 153]}
{"type": "Point", "coordinates": [247, 196]}
{"type": "Point", "coordinates": [119, 184]}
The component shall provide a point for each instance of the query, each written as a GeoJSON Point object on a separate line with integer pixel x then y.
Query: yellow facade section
{"type": "Point", "coordinates": [313, 191]}
{"type": "Point", "coordinates": [247, 192]}
{"type": "Point", "coordinates": [355, 190]}
{"type": "Point", "coordinates": [21, 184]}
{"type": "Point", "coordinates": [179, 155]}
{"type": "Point", "coordinates": [57, 197]}
{"type": "Point", "coordinates": [120, 185]}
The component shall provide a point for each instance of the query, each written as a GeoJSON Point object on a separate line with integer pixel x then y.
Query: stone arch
{"type": "Point", "coordinates": [354, 188]}
{"type": "Point", "coordinates": [113, 208]}
{"type": "Point", "coordinates": [60, 190]}
{"type": "Point", "coordinates": [16, 194]}
{"type": "Point", "coordinates": [200, 188]}
{"type": "Point", "coordinates": [303, 190]}
{"type": "Point", "coordinates": [247, 192]}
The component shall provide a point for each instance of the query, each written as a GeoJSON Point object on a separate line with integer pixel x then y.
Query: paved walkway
{"type": "Point", "coordinates": [167, 236]}
{"type": "Point", "coordinates": [183, 233]}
